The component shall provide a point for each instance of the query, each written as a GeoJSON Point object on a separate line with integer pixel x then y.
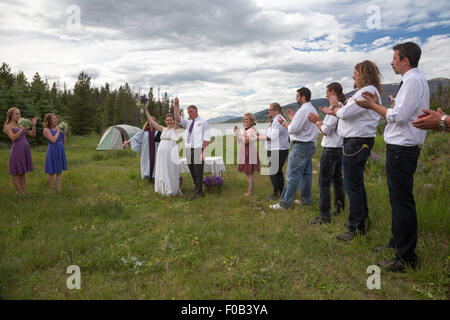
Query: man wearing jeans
{"type": "Point", "coordinates": [403, 143]}
{"type": "Point", "coordinates": [303, 134]}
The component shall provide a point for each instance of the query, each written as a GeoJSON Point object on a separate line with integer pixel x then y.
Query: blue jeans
{"type": "Point", "coordinates": [330, 173]}
{"type": "Point", "coordinates": [401, 164]}
{"type": "Point", "coordinates": [356, 153]}
{"type": "Point", "coordinates": [298, 173]}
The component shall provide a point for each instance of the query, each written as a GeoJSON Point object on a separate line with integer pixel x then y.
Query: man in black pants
{"type": "Point", "coordinates": [197, 140]}
{"type": "Point", "coordinates": [277, 146]}
{"type": "Point", "coordinates": [403, 142]}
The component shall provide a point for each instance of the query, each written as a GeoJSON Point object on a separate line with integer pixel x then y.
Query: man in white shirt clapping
{"type": "Point", "coordinates": [303, 135]}
{"type": "Point", "coordinates": [403, 142]}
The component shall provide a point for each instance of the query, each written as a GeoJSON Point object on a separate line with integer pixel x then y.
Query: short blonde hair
{"type": "Point", "coordinates": [251, 117]}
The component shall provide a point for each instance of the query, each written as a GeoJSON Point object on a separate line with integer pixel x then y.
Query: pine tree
{"type": "Point", "coordinates": [82, 110]}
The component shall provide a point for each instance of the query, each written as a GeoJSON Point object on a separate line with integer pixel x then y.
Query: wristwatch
{"type": "Point", "coordinates": [442, 125]}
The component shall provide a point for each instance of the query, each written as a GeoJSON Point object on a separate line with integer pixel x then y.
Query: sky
{"type": "Point", "coordinates": [227, 57]}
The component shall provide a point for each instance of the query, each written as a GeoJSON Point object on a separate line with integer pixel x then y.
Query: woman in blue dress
{"type": "Point", "coordinates": [55, 162]}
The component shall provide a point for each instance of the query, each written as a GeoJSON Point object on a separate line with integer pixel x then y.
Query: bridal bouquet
{"type": "Point", "coordinates": [24, 122]}
{"type": "Point", "coordinates": [63, 126]}
{"type": "Point", "coordinates": [212, 182]}
{"type": "Point", "coordinates": [142, 102]}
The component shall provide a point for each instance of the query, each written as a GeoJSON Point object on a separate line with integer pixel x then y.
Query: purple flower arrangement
{"type": "Point", "coordinates": [212, 182]}
{"type": "Point", "coordinates": [375, 157]}
{"type": "Point", "coordinates": [142, 101]}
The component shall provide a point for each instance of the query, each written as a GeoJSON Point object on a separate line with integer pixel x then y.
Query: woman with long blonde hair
{"type": "Point", "coordinates": [20, 161]}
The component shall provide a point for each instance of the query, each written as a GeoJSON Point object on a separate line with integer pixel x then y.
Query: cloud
{"type": "Point", "coordinates": [226, 57]}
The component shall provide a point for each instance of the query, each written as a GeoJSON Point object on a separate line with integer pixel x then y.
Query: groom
{"type": "Point", "coordinates": [197, 140]}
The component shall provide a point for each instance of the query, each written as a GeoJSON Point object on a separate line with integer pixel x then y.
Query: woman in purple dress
{"type": "Point", "coordinates": [20, 160]}
{"type": "Point", "coordinates": [55, 162]}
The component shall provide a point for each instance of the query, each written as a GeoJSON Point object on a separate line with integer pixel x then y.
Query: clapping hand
{"type": "Point", "coordinates": [313, 118]}
{"type": "Point", "coordinates": [334, 102]}
{"type": "Point", "coordinates": [327, 110]}
{"type": "Point", "coordinates": [290, 114]}
{"type": "Point", "coordinates": [371, 99]}
{"type": "Point", "coordinates": [429, 119]}
{"type": "Point", "coordinates": [34, 121]}
{"type": "Point", "coordinates": [280, 120]}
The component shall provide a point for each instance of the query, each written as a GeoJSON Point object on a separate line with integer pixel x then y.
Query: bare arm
{"type": "Point", "coordinates": [205, 146]}
{"type": "Point", "coordinates": [48, 135]}
{"type": "Point", "coordinates": [153, 122]}
{"type": "Point", "coordinates": [32, 133]}
{"type": "Point", "coordinates": [176, 109]}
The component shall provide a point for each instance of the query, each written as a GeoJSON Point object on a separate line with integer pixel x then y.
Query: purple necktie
{"type": "Point", "coordinates": [190, 130]}
{"type": "Point", "coordinates": [398, 88]}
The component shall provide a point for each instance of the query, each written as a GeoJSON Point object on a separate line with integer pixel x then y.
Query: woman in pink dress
{"type": "Point", "coordinates": [248, 156]}
{"type": "Point", "coordinates": [20, 160]}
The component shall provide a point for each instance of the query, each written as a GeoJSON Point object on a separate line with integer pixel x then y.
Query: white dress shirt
{"type": "Point", "coordinates": [357, 122]}
{"type": "Point", "coordinates": [278, 135]}
{"type": "Point", "coordinates": [331, 139]}
{"type": "Point", "coordinates": [301, 129]}
{"type": "Point", "coordinates": [413, 95]}
{"type": "Point", "coordinates": [200, 132]}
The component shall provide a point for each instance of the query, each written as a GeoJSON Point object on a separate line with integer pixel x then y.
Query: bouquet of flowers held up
{"type": "Point", "coordinates": [63, 126]}
{"type": "Point", "coordinates": [212, 182]}
{"type": "Point", "coordinates": [24, 122]}
{"type": "Point", "coordinates": [142, 102]}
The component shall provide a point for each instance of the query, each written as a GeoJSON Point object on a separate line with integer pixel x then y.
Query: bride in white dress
{"type": "Point", "coordinates": [167, 168]}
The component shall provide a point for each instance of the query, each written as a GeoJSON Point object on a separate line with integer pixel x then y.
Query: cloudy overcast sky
{"type": "Point", "coordinates": [227, 57]}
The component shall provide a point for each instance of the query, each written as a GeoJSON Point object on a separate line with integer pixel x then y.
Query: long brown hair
{"type": "Point", "coordinates": [9, 115]}
{"type": "Point", "coordinates": [48, 119]}
{"type": "Point", "coordinates": [337, 88]}
{"type": "Point", "coordinates": [369, 74]}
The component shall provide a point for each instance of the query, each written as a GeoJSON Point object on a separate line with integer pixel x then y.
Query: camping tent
{"type": "Point", "coordinates": [115, 136]}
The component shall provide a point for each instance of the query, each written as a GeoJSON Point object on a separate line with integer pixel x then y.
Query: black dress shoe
{"type": "Point", "coordinates": [367, 224]}
{"type": "Point", "coordinates": [395, 265]}
{"type": "Point", "coordinates": [321, 220]}
{"type": "Point", "coordinates": [348, 236]}
{"type": "Point", "coordinates": [338, 209]}
{"type": "Point", "coordinates": [382, 248]}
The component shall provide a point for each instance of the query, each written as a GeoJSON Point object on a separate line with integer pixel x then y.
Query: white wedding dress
{"type": "Point", "coordinates": [167, 178]}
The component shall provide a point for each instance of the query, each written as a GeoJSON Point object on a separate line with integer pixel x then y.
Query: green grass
{"type": "Point", "coordinates": [224, 246]}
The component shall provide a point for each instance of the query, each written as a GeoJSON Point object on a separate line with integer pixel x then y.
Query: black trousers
{"type": "Point", "coordinates": [195, 164]}
{"type": "Point", "coordinates": [277, 158]}
{"type": "Point", "coordinates": [330, 173]}
{"type": "Point", "coordinates": [401, 164]}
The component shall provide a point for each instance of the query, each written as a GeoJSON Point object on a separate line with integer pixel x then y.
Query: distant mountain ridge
{"type": "Point", "coordinates": [388, 89]}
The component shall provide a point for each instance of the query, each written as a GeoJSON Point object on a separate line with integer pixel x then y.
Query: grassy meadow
{"type": "Point", "coordinates": [131, 243]}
